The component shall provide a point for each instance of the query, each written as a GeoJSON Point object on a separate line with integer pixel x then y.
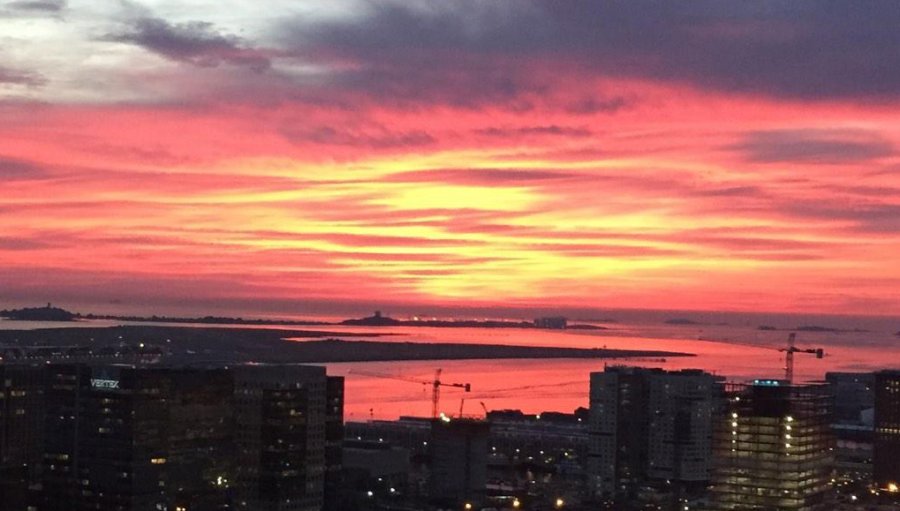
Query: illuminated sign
{"type": "Point", "coordinates": [104, 384]}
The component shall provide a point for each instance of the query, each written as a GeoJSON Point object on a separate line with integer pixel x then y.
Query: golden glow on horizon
{"type": "Point", "coordinates": [684, 199]}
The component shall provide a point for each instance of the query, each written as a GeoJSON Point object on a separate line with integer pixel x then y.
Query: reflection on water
{"type": "Point", "coordinates": [533, 386]}
{"type": "Point", "coordinates": [736, 352]}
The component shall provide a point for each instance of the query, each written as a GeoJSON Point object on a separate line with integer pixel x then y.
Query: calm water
{"type": "Point", "coordinates": [738, 352]}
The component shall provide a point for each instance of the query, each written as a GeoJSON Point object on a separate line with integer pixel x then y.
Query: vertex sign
{"type": "Point", "coordinates": [104, 384]}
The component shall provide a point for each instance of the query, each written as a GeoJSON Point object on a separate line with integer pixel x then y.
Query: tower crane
{"type": "Point", "coordinates": [436, 385]}
{"type": "Point", "coordinates": [789, 356]}
{"type": "Point", "coordinates": [788, 351]}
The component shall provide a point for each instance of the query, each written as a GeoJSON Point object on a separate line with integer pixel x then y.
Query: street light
{"type": "Point", "coordinates": [560, 503]}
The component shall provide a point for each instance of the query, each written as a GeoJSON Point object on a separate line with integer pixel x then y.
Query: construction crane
{"type": "Point", "coordinates": [789, 356]}
{"type": "Point", "coordinates": [788, 351]}
{"type": "Point", "coordinates": [436, 385]}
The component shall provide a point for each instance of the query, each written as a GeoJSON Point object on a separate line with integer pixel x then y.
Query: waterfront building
{"type": "Point", "coordinates": [105, 439]}
{"type": "Point", "coordinates": [649, 426]}
{"type": "Point", "coordinates": [280, 415]}
{"type": "Point", "coordinates": [131, 438]}
{"type": "Point", "coordinates": [853, 395]}
{"type": "Point", "coordinates": [773, 447]}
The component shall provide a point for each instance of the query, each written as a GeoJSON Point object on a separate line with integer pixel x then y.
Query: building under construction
{"type": "Point", "coordinates": [772, 447]}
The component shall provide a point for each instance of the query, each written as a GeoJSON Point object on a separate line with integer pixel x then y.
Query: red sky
{"type": "Point", "coordinates": [196, 157]}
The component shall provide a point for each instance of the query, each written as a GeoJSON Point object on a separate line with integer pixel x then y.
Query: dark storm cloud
{"type": "Point", "coordinates": [813, 146]}
{"type": "Point", "coordinates": [803, 49]}
{"type": "Point", "coordinates": [197, 43]}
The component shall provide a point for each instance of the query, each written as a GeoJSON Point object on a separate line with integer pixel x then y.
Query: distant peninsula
{"type": "Point", "coordinates": [378, 319]}
{"type": "Point", "coordinates": [48, 313]}
{"type": "Point", "coordinates": [816, 328]}
{"type": "Point", "coordinates": [220, 345]}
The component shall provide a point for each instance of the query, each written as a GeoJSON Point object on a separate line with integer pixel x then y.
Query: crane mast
{"type": "Point", "coordinates": [436, 385]}
{"type": "Point", "coordinates": [789, 356]}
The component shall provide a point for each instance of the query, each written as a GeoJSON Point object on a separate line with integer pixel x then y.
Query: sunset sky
{"type": "Point", "coordinates": [299, 157]}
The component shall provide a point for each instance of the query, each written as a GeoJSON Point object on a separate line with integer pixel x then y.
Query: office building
{"type": "Point", "coordinates": [886, 466]}
{"type": "Point", "coordinates": [21, 430]}
{"type": "Point", "coordinates": [649, 425]}
{"type": "Point", "coordinates": [334, 438]}
{"type": "Point", "coordinates": [853, 395]}
{"type": "Point", "coordinates": [129, 438]}
{"type": "Point", "coordinates": [105, 439]}
{"type": "Point", "coordinates": [459, 452]}
{"type": "Point", "coordinates": [200, 441]}
{"type": "Point", "coordinates": [280, 415]}
{"type": "Point", "coordinates": [773, 447]}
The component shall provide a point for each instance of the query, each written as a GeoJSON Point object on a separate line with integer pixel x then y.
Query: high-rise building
{"type": "Point", "coordinates": [334, 438]}
{"type": "Point", "coordinates": [886, 466]}
{"type": "Point", "coordinates": [130, 438]}
{"type": "Point", "coordinates": [853, 395]}
{"type": "Point", "coordinates": [105, 439]}
{"type": "Point", "coordinates": [200, 439]}
{"type": "Point", "coordinates": [281, 416]}
{"type": "Point", "coordinates": [459, 452]}
{"type": "Point", "coordinates": [773, 447]}
{"type": "Point", "coordinates": [649, 425]}
{"type": "Point", "coordinates": [21, 430]}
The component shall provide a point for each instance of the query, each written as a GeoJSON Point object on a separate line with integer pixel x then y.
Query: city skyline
{"type": "Point", "coordinates": [189, 156]}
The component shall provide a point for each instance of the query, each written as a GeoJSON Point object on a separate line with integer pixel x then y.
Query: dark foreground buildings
{"type": "Point", "coordinates": [21, 431]}
{"type": "Point", "coordinates": [649, 427]}
{"type": "Point", "coordinates": [459, 453]}
{"type": "Point", "coordinates": [773, 448]}
{"type": "Point", "coordinates": [886, 466]}
{"type": "Point", "coordinates": [119, 437]}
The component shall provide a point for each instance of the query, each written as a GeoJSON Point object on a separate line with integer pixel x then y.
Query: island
{"type": "Point", "coordinates": [48, 313]}
{"type": "Point", "coordinates": [554, 323]}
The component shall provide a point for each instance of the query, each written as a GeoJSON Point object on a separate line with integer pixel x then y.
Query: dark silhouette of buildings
{"type": "Point", "coordinates": [551, 322]}
{"type": "Point", "coordinates": [280, 415]}
{"type": "Point", "coordinates": [886, 467]}
{"type": "Point", "coordinates": [459, 452]}
{"type": "Point", "coordinates": [150, 438]}
{"type": "Point", "coordinates": [773, 447]}
{"type": "Point", "coordinates": [649, 426]}
{"type": "Point", "coordinates": [21, 434]}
